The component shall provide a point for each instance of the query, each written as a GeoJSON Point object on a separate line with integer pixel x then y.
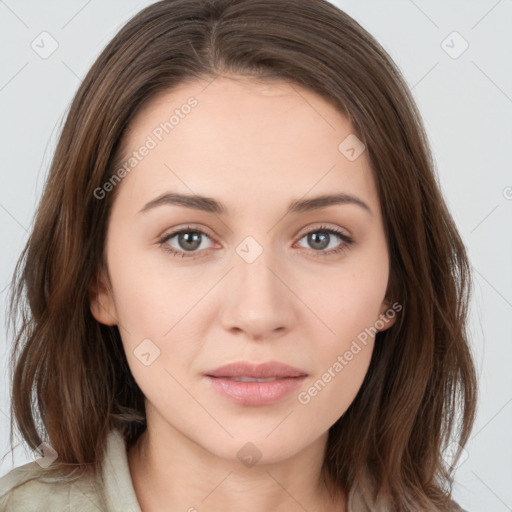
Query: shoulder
{"type": "Point", "coordinates": [31, 488]}
{"type": "Point", "coordinates": [358, 503]}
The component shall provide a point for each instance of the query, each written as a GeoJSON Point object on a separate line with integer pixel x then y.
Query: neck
{"type": "Point", "coordinates": [175, 473]}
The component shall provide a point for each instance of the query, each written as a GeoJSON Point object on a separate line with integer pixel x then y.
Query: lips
{"type": "Point", "coordinates": [255, 385]}
{"type": "Point", "coordinates": [271, 370]}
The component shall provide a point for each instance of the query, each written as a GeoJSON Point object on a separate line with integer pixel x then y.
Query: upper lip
{"type": "Point", "coordinates": [256, 371]}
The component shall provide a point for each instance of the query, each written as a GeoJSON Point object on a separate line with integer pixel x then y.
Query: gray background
{"type": "Point", "coordinates": [466, 103]}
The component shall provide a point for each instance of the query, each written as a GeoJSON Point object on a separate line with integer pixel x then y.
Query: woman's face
{"type": "Point", "coordinates": [256, 277]}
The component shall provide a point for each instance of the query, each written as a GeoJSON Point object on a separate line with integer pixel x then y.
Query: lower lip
{"type": "Point", "coordinates": [255, 393]}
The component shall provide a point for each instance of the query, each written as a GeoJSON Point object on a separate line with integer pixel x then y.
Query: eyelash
{"type": "Point", "coordinates": [347, 241]}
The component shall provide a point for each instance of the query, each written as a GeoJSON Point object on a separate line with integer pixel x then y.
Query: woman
{"type": "Point", "coordinates": [243, 287]}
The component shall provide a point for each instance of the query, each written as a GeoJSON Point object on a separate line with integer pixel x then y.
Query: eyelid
{"type": "Point", "coordinates": [323, 226]}
{"type": "Point", "coordinates": [188, 227]}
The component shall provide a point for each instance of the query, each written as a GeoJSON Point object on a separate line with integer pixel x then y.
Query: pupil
{"type": "Point", "coordinates": [324, 240]}
{"type": "Point", "coordinates": [187, 242]}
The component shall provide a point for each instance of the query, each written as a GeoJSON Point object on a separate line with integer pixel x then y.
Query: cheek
{"type": "Point", "coordinates": [157, 319]}
{"type": "Point", "coordinates": [348, 301]}
{"type": "Point", "coordinates": [349, 311]}
{"type": "Point", "coordinates": [330, 393]}
{"type": "Point", "coordinates": [342, 357]}
{"type": "Point", "coordinates": [146, 300]}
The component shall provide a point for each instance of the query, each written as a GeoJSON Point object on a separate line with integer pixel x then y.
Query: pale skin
{"type": "Point", "coordinates": [254, 148]}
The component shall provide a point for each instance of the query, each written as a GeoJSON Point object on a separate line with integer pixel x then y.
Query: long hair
{"type": "Point", "coordinates": [71, 383]}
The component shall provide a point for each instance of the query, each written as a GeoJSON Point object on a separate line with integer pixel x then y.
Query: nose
{"type": "Point", "coordinates": [258, 301]}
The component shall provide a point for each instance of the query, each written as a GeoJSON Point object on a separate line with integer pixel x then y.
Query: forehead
{"type": "Point", "coordinates": [237, 135]}
{"type": "Point", "coordinates": [231, 104]}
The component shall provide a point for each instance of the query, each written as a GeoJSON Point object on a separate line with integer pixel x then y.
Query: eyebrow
{"type": "Point", "coordinates": [210, 205]}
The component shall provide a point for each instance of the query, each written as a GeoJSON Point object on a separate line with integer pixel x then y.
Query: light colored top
{"type": "Point", "coordinates": [29, 488]}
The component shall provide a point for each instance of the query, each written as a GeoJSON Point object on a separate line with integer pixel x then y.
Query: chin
{"type": "Point", "coordinates": [256, 448]}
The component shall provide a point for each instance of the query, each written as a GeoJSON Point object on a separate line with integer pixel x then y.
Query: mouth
{"type": "Point", "coordinates": [255, 385]}
{"type": "Point", "coordinates": [252, 379]}
{"type": "Point", "coordinates": [248, 370]}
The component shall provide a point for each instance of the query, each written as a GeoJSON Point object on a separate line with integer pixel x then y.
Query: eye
{"type": "Point", "coordinates": [189, 240]}
{"type": "Point", "coordinates": [320, 239]}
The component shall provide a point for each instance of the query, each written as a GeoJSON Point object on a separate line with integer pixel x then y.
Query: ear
{"type": "Point", "coordinates": [388, 313]}
{"type": "Point", "coordinates": [101, 301]}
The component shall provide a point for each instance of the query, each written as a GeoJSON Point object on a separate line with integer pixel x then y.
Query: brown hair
{"type": "Point", "coordinates": [420, 390]}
